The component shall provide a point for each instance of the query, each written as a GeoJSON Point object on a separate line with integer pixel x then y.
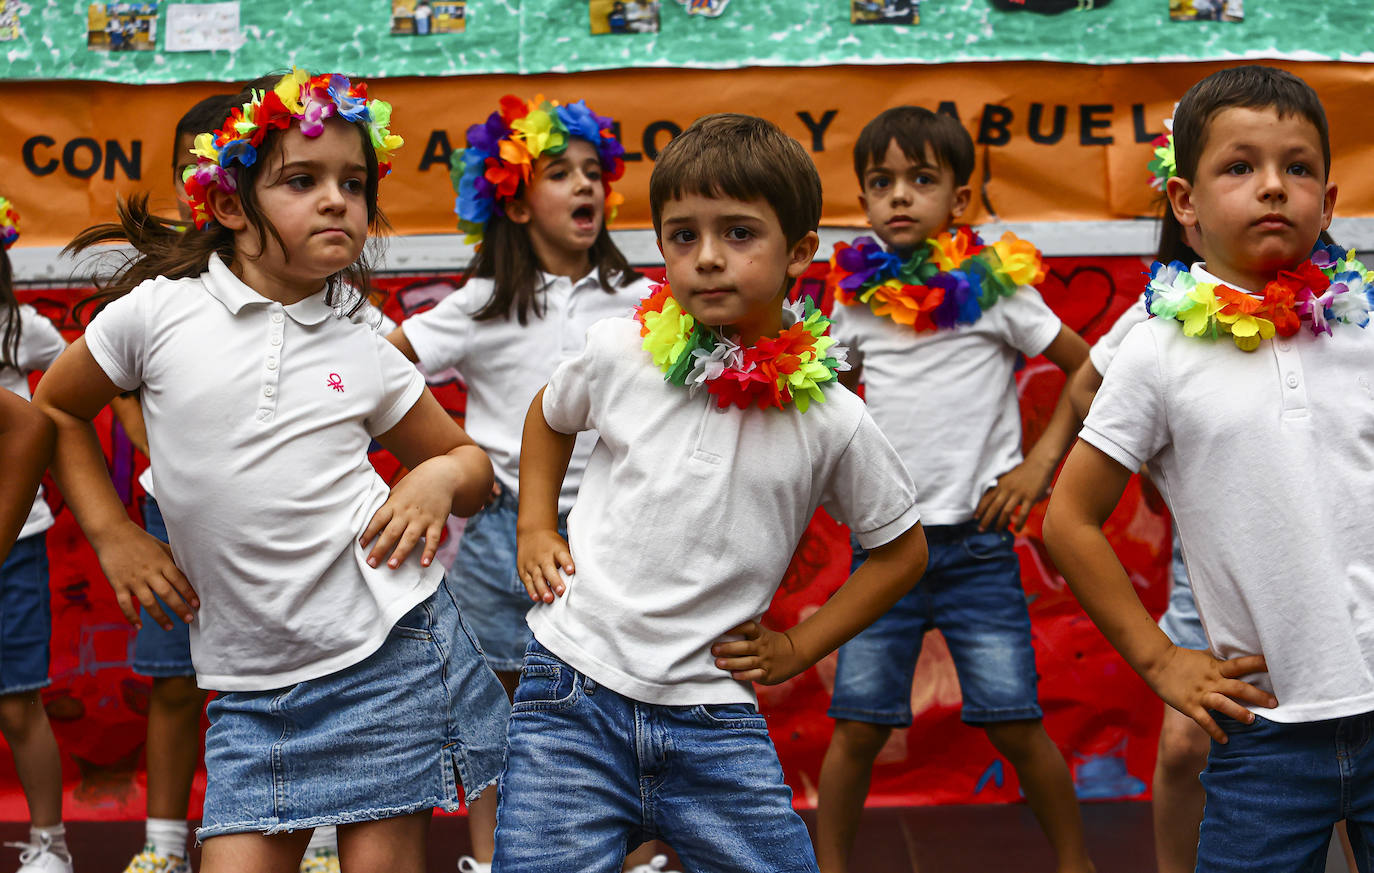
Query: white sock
{"type": "Point", "coordinates": [168, 836]}
{"type": "Point", "coordinates": [324, 838]}
{"type": "Point", "coordinates": [56, 839]}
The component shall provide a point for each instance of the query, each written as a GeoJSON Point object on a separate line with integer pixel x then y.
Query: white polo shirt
{"type": "Point", "coordinates": [504, 363]}
{"type": "Point", "coordinates": [1105, 348]}
{"type": "Point", "coordinates": [261, 416]}
{"type": "Point", "coordinates": [947, 398]}
{"type": "Point", "coordinates": [689, 516]}
{"type": "Point", "coordinates": [39, 345]}
{"type": "Point", "coordinates": [1266, 460]}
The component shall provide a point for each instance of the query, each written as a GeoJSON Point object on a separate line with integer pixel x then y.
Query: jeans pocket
{"type": "Point", "coordinates": [732, 716]}
{"type": "Point", "coordinates": [1231, 726]}
{"type": "Point", "coordinates": [544, 686]}
{"type": "Point", "coordinates": [416, 624]}
{"type": "Point", "coordinates": [990, 545]}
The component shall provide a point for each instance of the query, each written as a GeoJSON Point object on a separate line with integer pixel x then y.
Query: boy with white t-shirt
{"type": "Point", "coordinates": [634, 717]}
{"type": "Point", "coordinates": [938, 341]}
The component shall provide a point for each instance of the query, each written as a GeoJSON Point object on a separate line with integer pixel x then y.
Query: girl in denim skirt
{"type": "Point", "coordinates": [316, 611]}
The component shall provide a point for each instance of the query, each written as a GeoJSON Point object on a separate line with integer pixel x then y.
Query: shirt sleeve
{"type": "Point", "coordinates": [441, 336]}
{"type": "Point", "coordinates": [40, 340]}
{"type": "Point", "coordinates": [1106, 347]}
{"type": "Point", "coordinates": [402, 386]}
{"type": "Point", "coordinates": [118, 338]}
{"type": "Point", "coordinates": [1128, 420]}
{"type": "Point", "coordinates": [568, 406]}
{"type": "Point", "coordinates": [1029, 322]}
{"type": "Point", "coordinates": [870, 490]}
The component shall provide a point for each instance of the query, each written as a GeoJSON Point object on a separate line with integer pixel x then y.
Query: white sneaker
{"type": "Point", "coordinates": [657, 864]}
{"type": "Point", "coordinates": [469, 864]}
{"type": "Point", "coordinates": [40, 858]}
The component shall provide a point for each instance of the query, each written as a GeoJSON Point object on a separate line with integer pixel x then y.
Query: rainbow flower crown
{"type": "Point", "coordinates": [9, 223]}
{"type": "Point", "coordinates": [501, 152]}
{"type": "Point", "coordinates": [300, 97]}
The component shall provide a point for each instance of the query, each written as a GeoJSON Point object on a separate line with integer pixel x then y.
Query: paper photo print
{"type": "Point", "coordinates": [624, 16]}
{"type": "Point", "coordinates": [121, 27]}
{"type": "Point", "coordinates": [424, 18]}
{"type": "Point", "coordinates": [884, 11]}
{"type": "Point", "coordinates": [1207, 10]}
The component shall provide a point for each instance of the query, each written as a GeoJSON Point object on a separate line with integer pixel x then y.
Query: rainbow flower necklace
{"type": "Point", "coordinates": [951, 280]}
{"type": "Point", "coordinates": [1331, 286]}
{"type": "Point", "coordinates": [788, 368]}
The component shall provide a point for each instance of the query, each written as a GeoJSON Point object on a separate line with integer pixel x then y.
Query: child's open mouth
{"type": "Point", "coordinates": [584, 217]}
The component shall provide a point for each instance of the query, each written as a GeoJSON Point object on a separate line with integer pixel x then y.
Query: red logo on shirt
{"type": "Point", "coordinates": [335, 382]}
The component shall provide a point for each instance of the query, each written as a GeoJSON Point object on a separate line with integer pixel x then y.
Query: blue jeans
{"type": "Point", "coordinates": [25, 616]}
{"type": "Point", "coordinates": [1275, 790]}
{"type": "Point", "coordinates": [160, 653]}
{"type": "Point", "coordinates": [972, 592]}
{"type": "Point", "coordinates": [591, 774]}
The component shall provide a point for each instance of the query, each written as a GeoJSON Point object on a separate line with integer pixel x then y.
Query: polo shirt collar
{"type": "Point", "coordinates": [1200, 273]}
{"type": "Point", "coordinates": [231, 291]}
{"type": "Point", "coordinates": [548, 281]}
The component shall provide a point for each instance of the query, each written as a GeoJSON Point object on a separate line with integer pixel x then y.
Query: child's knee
{"type": "Point", "coordinates": [178, 693]}
{"type": "Point", "coordinates": [1183, 747]}
{"type": "Point", "coordinates": [860, 739]}
{"type": "Point", "coordinates": [19, 713]}
{"type": "Point", "coordinates": [1017, 741]}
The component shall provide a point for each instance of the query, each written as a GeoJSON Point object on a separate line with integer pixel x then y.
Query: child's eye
{"type": "Point", "coordinates": [925, 179]}
{"type": "Point", "coordinates": [738, 234]}
{"type": "Point", "coordinates": [1239, 168]}
{"type": "Point", "coordinates": [594, 175]}
{"type": "Point", "coordinates": [556, 174]}
{"type": "Point", "coordinates": [1300, 170]}
{"type": "Point", "coordinates": [879, 182]}
{"type": "Point", "coordinates": [354, 186]}
{"type": "Point", "coordinates": [682, 237]}
{"type": "Point", "coordinates": [300, 182]}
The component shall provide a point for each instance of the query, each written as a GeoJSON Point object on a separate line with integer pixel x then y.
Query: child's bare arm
{"type": "Point", "coordinates": [26, 443]}
{"type": "Point", "coordinates": [398, 339]}
{"type": "Point", "coordinates": [448, 474]}
{"type": "Point", "coordinates": [1190, 681]}
{"type": "Point", "coordinates": [540, 550]}
{"type": "Point", "coordinates": [129, 410]}
{"type": "Point", "coordinates": [1016, 491]}
{"type": "Point", "coordinates": [1082, 388]}
{"type": "Point", "coordinates": [769, 657]}
{"type": "Point", "coordinates": [137, 565]}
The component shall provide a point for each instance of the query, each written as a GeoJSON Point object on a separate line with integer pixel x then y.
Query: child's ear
{"type": "Point", "coordinates": [518, 211]}
{"type": "Point", "coordinates": [227, 208]}
{"type": "Point", "coordinates": [863, 202]}
{"type": "Point", "coordinates": [1180, 194]}
{"type": "Point", "coordinates": [802, 254]}
{"type": "Point", "coordinates": [1328, 205]}
{"type": "Point", "coordinates": [962, 195]}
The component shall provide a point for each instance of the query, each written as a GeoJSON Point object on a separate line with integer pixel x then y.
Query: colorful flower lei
{"type": "Point", "coordinates": [501, 152]}
{"type": "Point", "coordinates": [1332, 286]}
{"type": "Point", "coordinates": [298, 96]}
{"type": "Point", "coordinates": [788, 368]}
{"type": "Point", "coordinates": [1163, 164]}
{"type": "Point", "coordinates": [9, 223]}
{"type": "Point", "coordinates": [951, 280]}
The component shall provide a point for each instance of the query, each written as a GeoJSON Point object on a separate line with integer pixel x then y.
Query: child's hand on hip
{"type": "Point", "coordinates": [418, 507]}
{"type": "Point", "coordinates": [763, 656]}
{"type": "Point", "coordinates": [1011, 499]}
{"type": "Point", "coordinates": [1194, 682]}
{"type": "Point", "coordinates": [539, 556]}
{"type": "Point", "coordinates": [140, 565]}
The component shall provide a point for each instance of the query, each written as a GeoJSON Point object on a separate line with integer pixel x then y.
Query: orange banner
{"type": "Point", "coordinates": [1054, 141]}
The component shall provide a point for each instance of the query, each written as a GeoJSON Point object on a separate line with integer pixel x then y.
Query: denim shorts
{"type": "Point", "coordinates": [489, 591]}
{"type": "Point", "coordinates": [25, 616]}
{"type": "Point", "coordinates": [161, 653]}
{"type": "Point", "coordinates": [972, 593]}
{"type": "Point", "coordinates": [1180, 622]}
{"type": "Point", "coordinates": [593, 774]}
{"type": "Point", "coordinates": [1275, 790]}
{"type": "Point", "coordinates": [392, 735]}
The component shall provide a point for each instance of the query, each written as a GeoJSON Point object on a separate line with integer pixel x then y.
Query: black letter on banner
{"type": "Point", "coordinates": [993, 128]}
{"type": "Point", "coordinates": [1089, 122]}
{"type": "Point", "coordinates": [628, 157]}
{"type": "Point", "coordinates": [651, 136]}
{"type": "Point", "coordinates": [817, 128]}
{"type": "Point", "coordinates": [1061, 115]}
{"type": "Point", "coordinates": [437, 150]}
{"type": "Point", "coordinates": [30, 159]}
{"type": "Point", "coordinates": [1141, 134]}
{"type": "Point", "coordinates": [69, 157]}
{"type": "Point", "coordinates": [948, 108]}
{"type": "Point", "coordinates": [133, 166]}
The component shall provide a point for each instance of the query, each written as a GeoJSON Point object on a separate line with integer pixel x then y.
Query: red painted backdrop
{"type": "Point", "coordinates": [1097, 710]}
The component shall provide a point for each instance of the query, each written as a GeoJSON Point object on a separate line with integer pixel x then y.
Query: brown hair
{"type": "Point", "coordinates": [914, 129]}
{"type": "Point", "coordinates": [166, 247]}
{"type": "Point", "coordinates": [741, 157]}
{"type": "Point", "coordinates": [9, 311]}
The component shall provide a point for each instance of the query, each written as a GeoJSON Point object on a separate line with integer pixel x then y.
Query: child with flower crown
{"type": "Point", "coordinates": [534, 192]}
{"type": "Point", "coordinates": [1251, 374]}
{"type": "Point", "coordinates": [318, 614]}
{"type": "Point", "coordinates": [28, 342]}
{"type": "Point", "coordinates": [721, 429]}
{"type": "Point", "coordinates": [937, 320]}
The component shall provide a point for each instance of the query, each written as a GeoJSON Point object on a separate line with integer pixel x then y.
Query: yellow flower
{"type": "Point", "coordinates": [204, 147]}
{"type": "Point", "coordinates": [668, 333]}
{"type": "Point", "coordinates": [1247, 330]}
{"type": "Point", "coordinates": [1198, 311]}
{"type": "Point", "coordinates": [539, 132]}
{"type": "Point", "coordinates": [289, 90]}
{"type": "Point", "coordinates": [948, 252]}
{"type": "Point", "coordinates": [1020, 260]}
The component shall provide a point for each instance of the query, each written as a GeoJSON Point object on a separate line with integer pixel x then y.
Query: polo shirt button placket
{"type": "Point", "coordinates": [267, 403]}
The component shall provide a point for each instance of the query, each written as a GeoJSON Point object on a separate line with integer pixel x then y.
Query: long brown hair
{"type": "Point", "coordinates": [9, 312]}
{"type": "Point", "coordinates": [166, 247]}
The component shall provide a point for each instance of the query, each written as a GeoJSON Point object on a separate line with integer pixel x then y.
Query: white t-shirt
{"type": "Point", "coordinates": [947, 398]}
{"type": "Point", "coordinates": [1266, 460]}
{"type": "Point", "coordinates": [504, 363]}
{"type": "Point", "coordinates": [39, 346]}
{"type": "Point", "coordinates": [1105, 348]}
{"type": "Point", "coordinates": [261, 416]}
{"type": "Point", "coordinates": [689, 515]}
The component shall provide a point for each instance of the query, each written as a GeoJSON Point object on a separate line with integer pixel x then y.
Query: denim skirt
{"type": "Point", "coordinates": [402, 731]}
